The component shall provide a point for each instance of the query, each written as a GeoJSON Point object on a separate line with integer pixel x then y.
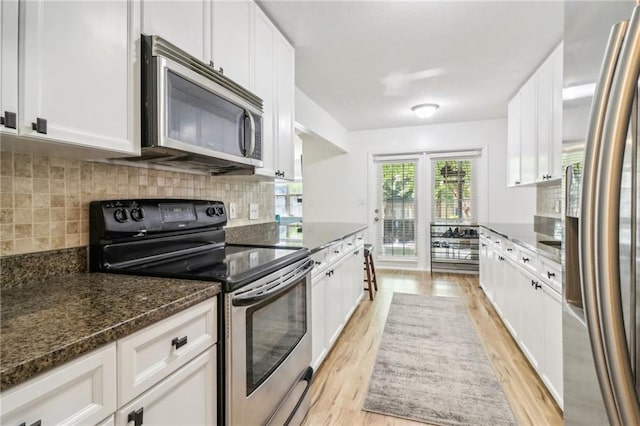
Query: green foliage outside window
{"type": "Point", "coordinates": [452, 190]}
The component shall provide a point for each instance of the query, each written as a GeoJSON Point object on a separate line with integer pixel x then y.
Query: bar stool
{"type": "Point", "coordinates": [371, 270]}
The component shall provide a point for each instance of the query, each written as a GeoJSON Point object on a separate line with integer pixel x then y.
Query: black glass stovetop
{"type": "Point", "coordinates": [233, 265]}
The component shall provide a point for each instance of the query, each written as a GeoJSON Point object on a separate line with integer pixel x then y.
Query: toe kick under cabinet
{"type": "Point", "coordinates": [164, 374]}
{"type": "Point", "coordinates": [454, 248]}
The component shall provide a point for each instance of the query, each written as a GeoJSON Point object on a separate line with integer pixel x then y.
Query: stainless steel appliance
{"type": "Point", "coordinates": [601, 301]}
{"type": "Point", "coordinates": [194, 116]}
{"type": "Point", "coordinates": [265, 306]}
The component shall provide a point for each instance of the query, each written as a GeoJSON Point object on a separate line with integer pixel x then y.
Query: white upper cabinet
{"type": "Point", "coordinates": [274, 82]}
{"type": "Point", "coordinates": [528, 132]}
{"type": "Point", "coordinates": [8, 65]}
{"type": "Point", "coordinates": [555, 148]}
{"type": "Point", "coordinates": [285, 88]}
{"type": "Point", "coordinates": [232, 34]}
{"type": "Point", "coordinates": [186, 24]}
{"type": "Point", "coordinates": [264, 85]}
{"type": "Point", "coordinates": [545, 119]}
{"type": "Point", "coordinates": [513, 141]}
{"type": "Point", "coordinates": [535, 126]}
{"type": "Point", "coordinates": [78, 82]}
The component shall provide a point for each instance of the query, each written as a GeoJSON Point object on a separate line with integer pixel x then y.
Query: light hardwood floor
{"type": "Point", "coordinates": [341, 382]}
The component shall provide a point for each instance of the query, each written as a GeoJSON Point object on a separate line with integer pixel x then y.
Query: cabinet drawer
{"type": "Point", "coordinates": [527, 259]}
{"type": "Point", "coordinates": [151, 354]}
{"type": "Point", "coordinates": [319, 262]}
{"type": "Point", "coordinates": [349, 243]}
{"type": "Point", "coordinates": [510, 250]}
{"type": "Point", "coordinates": [551, 273]}
{"type": "Point", "coordinates": [334, 251]}
{"type": "Point", "coordinates": [82, 391]}
{"type": "Point", "coordinates": [359, 239]}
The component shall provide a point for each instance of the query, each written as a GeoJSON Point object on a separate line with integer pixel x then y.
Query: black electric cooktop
{"type": "Point", "coordinates": [177, 239]}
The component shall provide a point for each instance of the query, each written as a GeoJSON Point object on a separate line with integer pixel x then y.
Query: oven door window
{"type": "Point", "coordinates": [198, 117]}
{"type": "Point", "coordinates": [274, 328]}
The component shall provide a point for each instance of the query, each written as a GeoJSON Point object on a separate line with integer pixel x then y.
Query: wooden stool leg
{"type": "Point", "coordinates": [368, 268]}
{"type": "Point", "coordinates": [373, 273]}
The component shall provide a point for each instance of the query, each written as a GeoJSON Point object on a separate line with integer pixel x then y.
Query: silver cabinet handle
{"type": "Point", "coordinates": [587, 245]}
{"type": "Point", "coordinates": [621, 99]}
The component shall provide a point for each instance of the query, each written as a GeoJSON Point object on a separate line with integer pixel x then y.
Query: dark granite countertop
{"type": "Point", "coordinates": [524, 235]}
{"type": "Point", "coordinates": [314, 236]}
{"type": "Point", "coordinates": [47, 323]}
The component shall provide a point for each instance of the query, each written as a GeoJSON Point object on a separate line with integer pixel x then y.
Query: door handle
{"type": "Point", "coordinates": [609, 170]}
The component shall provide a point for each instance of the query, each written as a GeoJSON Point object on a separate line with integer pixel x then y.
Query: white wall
{"type": "Point", "coordinates": [336, 184]}
{"type": "Point", "coordinates": [317, 123]}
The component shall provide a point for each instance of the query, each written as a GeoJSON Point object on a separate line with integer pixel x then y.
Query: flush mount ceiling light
{"type": "Point", "coordinates": [425, 110]}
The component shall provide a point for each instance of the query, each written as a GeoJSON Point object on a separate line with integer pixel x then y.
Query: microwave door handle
{"type": "Point", "coordinates": [252, 134]}
{"type": "Point", "coordinates": [587, 222]}
{"type": "Point", "coordinates": [610, 168]}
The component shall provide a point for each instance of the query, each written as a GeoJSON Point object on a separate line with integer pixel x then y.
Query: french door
{"type": "Point", "coordinates": [396, 208]}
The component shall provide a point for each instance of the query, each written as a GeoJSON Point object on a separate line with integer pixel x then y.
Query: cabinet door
{"type": "Point", "coordinates": [500, 289]}
{"type": "Point", "coordinates": [528, 132]}
{"type": "Point", "coordinates": [232, 31]}
{"type": "Point", "coordinates": [334, 306]}
{"type": "Point", "coordinates": [264, 86]}
{"type": "Point", "coordinates": [544, 77]}
{"type": "Point", "coordinates": [285, 90]}
{"type": "Point", "coordinates": [187, 397]}
{"type": "Point", "coordinates": [512, 300]}
{"type": "Point", "coordinates": [8, 62]}
{"type": "Point", "coordinates": [513, 140]}
{"type": "Point", "coordinates": [82, 391]}
{"type": "Point", "coordinates": [78, 73]}
{"type": "Point", "coordinates": [556, 123]}
{"type": "Point", "coordinates": [170, 19]}
{"type": "Point", "coordinates": [318, 306]}
{"type": "Point", "coordinates": [532, 308]}
{"type": "Point", "coordinates": [552, 359]}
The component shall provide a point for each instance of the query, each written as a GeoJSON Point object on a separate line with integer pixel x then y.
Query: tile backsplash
{"type": "Point", "coordinates": [549, 199]}
{"type": "Point", "coordinates": [44, 201]}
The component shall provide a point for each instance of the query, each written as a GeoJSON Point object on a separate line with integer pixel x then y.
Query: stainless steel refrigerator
{"type": "Point", "coordinates": [601, 269]}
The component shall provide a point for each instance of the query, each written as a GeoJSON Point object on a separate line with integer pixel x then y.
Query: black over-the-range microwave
{"type": "Point", "coordinates": [194, 116]}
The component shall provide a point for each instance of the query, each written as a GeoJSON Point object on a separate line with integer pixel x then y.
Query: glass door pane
{"type": "Point", "coordinates": [397, 208]}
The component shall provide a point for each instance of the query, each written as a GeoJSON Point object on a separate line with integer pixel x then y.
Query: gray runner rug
{"type": "Point", "coordinates": [431, 366]}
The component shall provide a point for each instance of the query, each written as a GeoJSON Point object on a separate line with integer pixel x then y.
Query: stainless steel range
{"type": "Point", "coordinates": [265, 312]}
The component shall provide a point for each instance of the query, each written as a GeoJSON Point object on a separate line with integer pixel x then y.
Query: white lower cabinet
{"type": "Point", "coordinates": [335, 294]}
{"type": "Point", "coordinates": [552, 356]}
{"type": "Point", "coordinates": [187, 397]}
{"type": "Point", "coordinates": [525, 296]}
{"type": "Point", "coordinates": [82, 391]}
{"type": "Point", "coordinates": [531, 309]}
{"type": "Point", "coordinates": [318, 300]}
{"type": "Point", "coordinates": [166, 375]}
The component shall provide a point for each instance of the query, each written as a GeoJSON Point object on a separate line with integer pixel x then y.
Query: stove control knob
{"type": "Point", "coordinates": [219, 211]}
{"type": "Point", "coordinates": [120, 215]}
{"type": "Point", "coordinates": [211, 211]}
{"type": "Point", "coordinates": [137, 214]}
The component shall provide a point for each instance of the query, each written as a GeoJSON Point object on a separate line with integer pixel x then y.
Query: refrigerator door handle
{"type": "Point", "coordinates": [609, 181]}
{"type": "Point", "coordinates": [587, 223]}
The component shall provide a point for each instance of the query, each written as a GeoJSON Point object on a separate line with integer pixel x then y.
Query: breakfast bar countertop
{"type": "Point", "coordinates": [45, 323]}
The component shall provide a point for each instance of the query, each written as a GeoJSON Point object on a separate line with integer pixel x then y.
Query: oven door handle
{"type": "Point", "coordinates": [258, 296]}
{"type": "Point", "coordinates": [306, 377]}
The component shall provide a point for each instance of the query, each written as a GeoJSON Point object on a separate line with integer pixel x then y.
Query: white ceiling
{"type": "Point", "coordinates": [368, 62]}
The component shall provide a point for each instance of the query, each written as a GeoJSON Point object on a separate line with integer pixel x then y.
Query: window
{"type": "Point", "coordinates": [397, 208]}
{"type": "Point", "coordinates": [454, 193]}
